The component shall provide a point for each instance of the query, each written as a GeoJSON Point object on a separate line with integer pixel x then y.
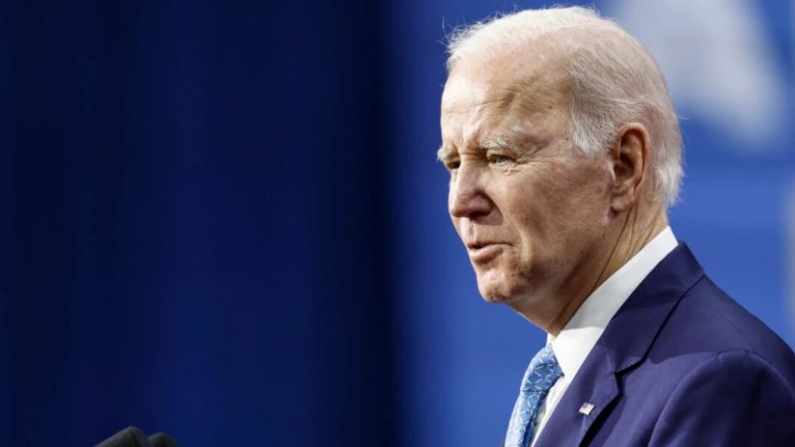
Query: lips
{"type": "Point", "coordinates": [483, 251]}
{"type": "Point", "coordinates": [475, 245]}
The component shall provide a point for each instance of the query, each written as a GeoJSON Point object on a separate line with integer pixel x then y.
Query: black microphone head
{"type": "Point", "coordinates": [129, 437]}
{"type": "Point", "coordinates": [162, 440]}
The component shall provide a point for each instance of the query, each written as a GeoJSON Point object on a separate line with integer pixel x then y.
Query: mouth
{"type": "Point", "coordinates": [483, 251]}
{"type": "Point", "coordinates": [476, 245]}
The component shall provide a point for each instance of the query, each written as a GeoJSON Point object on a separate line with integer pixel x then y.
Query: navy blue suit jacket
{"type": "Point", "coordinates": [680, 364]}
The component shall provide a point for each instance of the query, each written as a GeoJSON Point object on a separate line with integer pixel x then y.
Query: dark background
{"type": "Point", "coordinates": [192, 227]}
{"type": "Point", "coordinates": [223, 220]}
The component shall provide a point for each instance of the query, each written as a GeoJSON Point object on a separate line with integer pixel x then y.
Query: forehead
{"type": "Point", "coordinates": [520, 84]}
{"type": "Point", "coordinates": [466, 90]}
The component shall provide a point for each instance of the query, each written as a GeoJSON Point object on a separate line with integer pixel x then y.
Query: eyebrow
{"type": "Point", "coordinates": [442, 153]}
{"type": "Point", "coordinates": [498, 143]}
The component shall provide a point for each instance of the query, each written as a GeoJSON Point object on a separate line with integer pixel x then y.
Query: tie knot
{"type": "Point", "coordinates": [544, 357]}
{"type": "Point", "coordinates": [542, 373]}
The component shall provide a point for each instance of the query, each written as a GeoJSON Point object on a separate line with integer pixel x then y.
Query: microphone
{"type": "Point", "coordinates": [162, 440]}
{"type": "Point", "coordinates": [129, 437]}
{"type": "Point", "coordinates": [134, 437]}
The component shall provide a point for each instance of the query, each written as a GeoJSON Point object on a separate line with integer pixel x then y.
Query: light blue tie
{"type": "Point", "coordinates": [542, 373]}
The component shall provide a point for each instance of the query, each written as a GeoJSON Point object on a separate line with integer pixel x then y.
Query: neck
{"type": "Point", "coordinates": [632, 234]}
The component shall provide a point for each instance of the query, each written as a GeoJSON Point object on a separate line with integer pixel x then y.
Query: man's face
{"type": "Point", "coordinates": [531, 211]}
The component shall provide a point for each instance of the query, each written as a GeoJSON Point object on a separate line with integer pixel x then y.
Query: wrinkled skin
{"type": "Point", "coordinates": [541, 222]}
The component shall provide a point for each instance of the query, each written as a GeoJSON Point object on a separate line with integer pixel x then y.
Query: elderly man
{"type": "Point", "coordinates": [564, 153]}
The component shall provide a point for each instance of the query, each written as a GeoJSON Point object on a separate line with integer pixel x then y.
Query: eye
{"type": "Point", "coordinates": [452, 165]}
{"type": "Point", "coordinates": [498, 159]}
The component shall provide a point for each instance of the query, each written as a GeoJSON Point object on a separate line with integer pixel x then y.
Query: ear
{"type": "Point", "coordinates": [630, 159]}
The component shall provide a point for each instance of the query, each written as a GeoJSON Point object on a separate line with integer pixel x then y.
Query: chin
{"type": "Point", "coordinates": [493, 294]}
{"type": "Point", "coordinates": [494, 298]}
{"type": "Point", "coordinates": [501, 291]}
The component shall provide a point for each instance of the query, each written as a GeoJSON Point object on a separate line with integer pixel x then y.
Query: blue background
{"type": "Point", "coordinates": [224, 220]}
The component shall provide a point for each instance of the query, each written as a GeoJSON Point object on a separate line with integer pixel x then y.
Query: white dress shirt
{"type": "Point", "coordinates": [578, 337]}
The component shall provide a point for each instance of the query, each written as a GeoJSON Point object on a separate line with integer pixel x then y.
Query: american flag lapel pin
{"type": "Point", "coordinates": [586, 408]}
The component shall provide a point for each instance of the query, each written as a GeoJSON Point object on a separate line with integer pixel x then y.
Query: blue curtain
{"type": "Point", "coordinates": [193, 224]}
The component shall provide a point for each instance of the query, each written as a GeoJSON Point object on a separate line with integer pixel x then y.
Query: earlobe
{"type": "Point", "coordinates": [629, 160]}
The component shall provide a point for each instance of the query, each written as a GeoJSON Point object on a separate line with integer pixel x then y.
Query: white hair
{"type": "Point", "coordinates": [614, 81]}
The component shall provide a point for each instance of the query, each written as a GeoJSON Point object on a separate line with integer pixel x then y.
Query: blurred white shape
{"type": "Point", "coordinates": [719, 63]}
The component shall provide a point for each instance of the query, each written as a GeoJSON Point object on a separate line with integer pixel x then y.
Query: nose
{"type": "Point", "coordinates": [467, 197]}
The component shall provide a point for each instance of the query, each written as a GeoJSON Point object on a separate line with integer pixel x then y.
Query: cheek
{"type": "Point", "coordinates": [588, 212]}
{"type": "Point", "coordinates": [585, 183]}
{"type": "Point", "coordinates": [570, 201]}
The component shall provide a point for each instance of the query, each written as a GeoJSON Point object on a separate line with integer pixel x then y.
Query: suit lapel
{"type": "Point", "coordinates": [625, 342]}
{"type": "Point", "coordinates": [597, 387]}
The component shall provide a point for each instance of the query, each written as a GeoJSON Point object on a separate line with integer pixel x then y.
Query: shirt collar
{"type": "Point", "coordinates": [578, 337]}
